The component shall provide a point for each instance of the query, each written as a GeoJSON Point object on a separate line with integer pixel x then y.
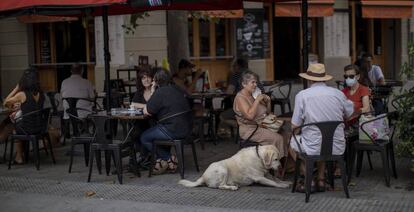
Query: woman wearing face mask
{"type": "Point", "coordinates": [356, 92]}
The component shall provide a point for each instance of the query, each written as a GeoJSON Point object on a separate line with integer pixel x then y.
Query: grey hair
{"type": "Point", "coordinates": [247, 76]}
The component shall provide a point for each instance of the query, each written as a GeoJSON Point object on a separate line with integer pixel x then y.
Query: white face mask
{"type": "Point", "coordinates": [256, 92]}
{"type": "Point", "coordinates": [350, 82]}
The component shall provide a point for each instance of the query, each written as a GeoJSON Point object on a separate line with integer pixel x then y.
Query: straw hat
{"type": "Point", "coordinates": [316, 72]}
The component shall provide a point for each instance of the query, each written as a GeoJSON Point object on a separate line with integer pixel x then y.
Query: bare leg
{"type": "Point", "coordinates": [321, 170]}
{"type": "Point", "coordinates": [19, 152]}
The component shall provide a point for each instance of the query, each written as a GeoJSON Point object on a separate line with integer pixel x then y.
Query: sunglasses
{"type": "Point", "coordinates": [349, 76]}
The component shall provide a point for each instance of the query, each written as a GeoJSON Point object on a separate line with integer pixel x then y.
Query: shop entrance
{"type": "Point", "coordinates": [379, 38]}
{"type": "Point", "coordinates": [58, 46]}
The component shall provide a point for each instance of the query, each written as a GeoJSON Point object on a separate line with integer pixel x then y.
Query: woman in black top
{"type": "Point", "coordinates": [144, 92]}
{"type": "Point", "coordinates": [28, 97]}
{"type": "Point", "coordinates": [170, 107]}
{"type": "Point", "coordinates": [142, 95]}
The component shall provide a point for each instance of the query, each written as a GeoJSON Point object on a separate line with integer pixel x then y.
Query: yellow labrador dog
{"type": "Point", "coordinates": [248, 166]}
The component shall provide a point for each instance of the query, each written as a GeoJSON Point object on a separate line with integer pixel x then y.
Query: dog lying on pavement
{"type": "Point", "coordinates": [247, 166]}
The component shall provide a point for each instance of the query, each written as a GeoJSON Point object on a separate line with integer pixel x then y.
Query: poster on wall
{"type": "Point", "coordinates": [249, 34]}
{"type": "Point", "coordinates": [116, 40]}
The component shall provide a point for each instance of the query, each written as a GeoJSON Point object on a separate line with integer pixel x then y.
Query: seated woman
{"type": "Point", "coordinates": [169, 106]}
{"type": "Point", "coordinates": [250, 111]}
{"type": "Point", "coordinates": [141, 97]}
{"type": "Point", "coordinates": [144, 91]}
{"type": "Point", "coordinates": [27, 97]}
{"type": "Point", "coordinates": [356, 92]}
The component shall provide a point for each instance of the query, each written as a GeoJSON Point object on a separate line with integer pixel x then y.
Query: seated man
{"type": "Point", "coordinates": [185, 69]}
{"type": "Point", "coordinates": [77, 87]}
{"type": "Point", "coordinates": [319, 103]}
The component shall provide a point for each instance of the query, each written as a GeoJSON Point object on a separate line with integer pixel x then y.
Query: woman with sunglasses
{"type": "Point", "coordinates": [356, 92]}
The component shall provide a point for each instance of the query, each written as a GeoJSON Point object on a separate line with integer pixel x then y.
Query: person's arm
{"type": "Point", "coordinates": [232, 84]}
{"type": "Point", "coordinates": [11, 94]}
{"type": "Point", "coordinates": [91, 91]}
{"type": "Point", "coordinates": [269, 106]}
{"type": "Point", "coordinates": [230, 89]}
{"type": "Point", "coordinates": [365, 104]}
{"type": "Point", "coordinates": [155, 103]}
{"type": "Point", "coordinates": [348, 106]}
{"type": "Point", "coordinates": [197, 76]}
{"type": "Point", "coordinates": [298, 111]}
{"type": "Point", "coordinates": [379, 76]}
{"type": "Point", "coordinates": [138, 105]}
{"type": "Point", "coordinates": [248, 112]}
{"type": "Point", "coordinates": [19, 97]}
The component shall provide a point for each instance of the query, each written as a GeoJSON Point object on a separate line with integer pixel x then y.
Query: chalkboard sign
{"type": "Point", "coordinates": [249, 34]}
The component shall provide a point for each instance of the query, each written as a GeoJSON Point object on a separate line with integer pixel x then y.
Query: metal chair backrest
{"type": "Point", "coordinates": [327, 130]}
{"type": "Point", "coordinates": [101, 123]}
{"type": "Point", "coordinates": [284, 88]}
{"type": "Point", "coordinates": [72, 106]}
{"type": "Point", "coordinates": [289, 87]}
{"type": "Point", "coordinates": [41, 116]}
{"type": "Point", "coordinates": [53, 101]}
{"type": "Point", "coordinates": [45, 119]}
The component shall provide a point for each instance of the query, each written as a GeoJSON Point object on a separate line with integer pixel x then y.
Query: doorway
{"type": "Point", "coordinates": [287, 48]}
{"type": "Point", "coordinates": [70, 48]}
{"type": "Point", "coordinates": [379, 38]}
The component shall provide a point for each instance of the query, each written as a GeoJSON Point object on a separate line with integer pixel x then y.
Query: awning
{"type": "Point", "coordinates": [27, 19]}
{"type": "Point", "coordinates": [387, 9]}
{"type": "Point", "coordinates": [116, 7]}
{"type": "Point", "coordinates": [316, 8]}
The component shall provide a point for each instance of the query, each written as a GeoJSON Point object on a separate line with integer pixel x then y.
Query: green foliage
{"type": "Point", "coordinates": [132, 24]}
{"type": "Point", "coordinates": [405, 102]}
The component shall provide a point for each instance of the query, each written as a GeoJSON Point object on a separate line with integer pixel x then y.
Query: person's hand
{"type": "Point", "coordinates": [263, 99]}
{"type": "Point", "coordinates": [153, 87]}
{"type": "Point", "coordinates": [16, 106]}
{"type": "Point", "coordinates": [198, 73]}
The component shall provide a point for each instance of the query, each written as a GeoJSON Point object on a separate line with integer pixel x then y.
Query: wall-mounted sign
{"type": "Point", "coordinates": [249, 34]}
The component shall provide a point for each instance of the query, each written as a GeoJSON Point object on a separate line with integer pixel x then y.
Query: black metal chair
{"type": "Point", "coordinates": [55, 111]}
{"type": "Point", "coordinates": [42, 116]}
{"type": "Point", "coordinates": [327, 130]}
{"type": "Point", "coordinates": [284, 89]}
{"type": "Point", "coordinates": [115, 148]}
{"type": "Point", "coordinates": [80, 135]}
{"type": "Point", "coordinates": [384, 147]}
{"type": "Point", "coordinates": [179, 148]}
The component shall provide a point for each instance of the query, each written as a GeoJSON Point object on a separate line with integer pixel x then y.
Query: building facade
{"type": "Point", "coordinates": [340, 31]}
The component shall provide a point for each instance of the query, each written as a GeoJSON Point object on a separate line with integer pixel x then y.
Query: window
{"type": "Point", "coordinates": [209, 39]}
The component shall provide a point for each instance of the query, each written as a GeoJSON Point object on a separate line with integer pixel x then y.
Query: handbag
{"type": "Point", "coordinates": [272, 123]}
{"type": "Point", "coordinates": [378, 129]}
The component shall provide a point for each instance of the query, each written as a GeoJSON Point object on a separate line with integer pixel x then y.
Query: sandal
{"type": "Point", "coordinates": [160, 167]}
{"type": "Point", "coordinates": [172, 164]}
{"type": "Point", "coordinates": [321, 185]}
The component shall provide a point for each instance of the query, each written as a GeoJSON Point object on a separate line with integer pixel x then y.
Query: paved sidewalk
{"type": "Point", "coordinates": [54, 189]}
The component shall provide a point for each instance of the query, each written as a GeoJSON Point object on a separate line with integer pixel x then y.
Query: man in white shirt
{"type": "Point", "coordinates": [77, 87]}
{"type": "Point", "coordinates": [375, 74]}
{"type": "Point", "coordinates": [319, 103]}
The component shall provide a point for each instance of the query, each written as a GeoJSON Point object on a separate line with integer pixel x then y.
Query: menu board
{"type": "Point", "coordinates": [45, 51]}
{"type": "Point", "coordinates": [249, 34]}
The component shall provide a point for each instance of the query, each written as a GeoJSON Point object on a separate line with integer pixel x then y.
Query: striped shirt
{"type": "Point", "coordinates": [317, 104]}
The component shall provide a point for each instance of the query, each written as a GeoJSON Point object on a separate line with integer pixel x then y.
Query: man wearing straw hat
{"type": "Point", "coordinates": [319, 103]}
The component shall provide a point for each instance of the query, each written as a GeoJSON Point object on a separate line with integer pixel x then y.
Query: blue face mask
{"type": "Point", "coordinates": [350, 82]}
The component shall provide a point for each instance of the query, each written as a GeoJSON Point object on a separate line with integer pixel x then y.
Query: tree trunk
{"type": "Point", "coordinates": [177, 35]}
